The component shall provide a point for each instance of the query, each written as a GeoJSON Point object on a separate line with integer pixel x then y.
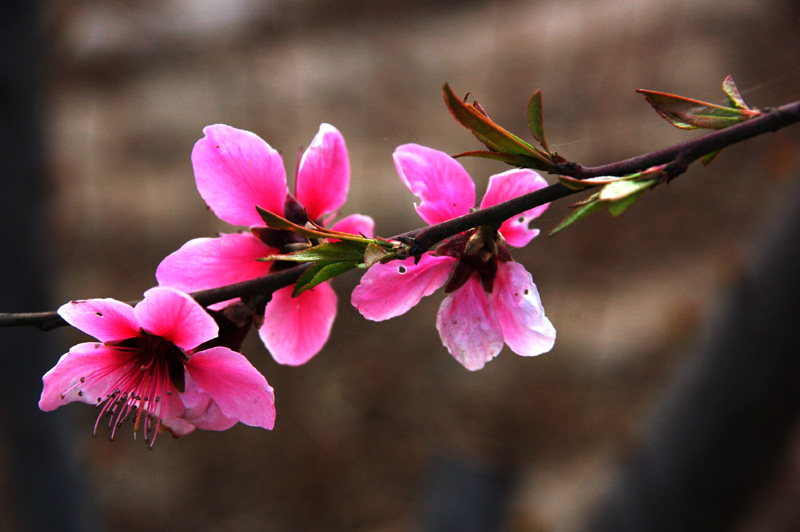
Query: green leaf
{"type": "Point", "coordinates": [588, 206]}
{"type": "Point", "coordinates": [520, 161]}
{"type": "Point", "coordinates": [278, 222]}
{"type": "Point", "coordinates": [686, 113]}
{"type": "Point", "coordinates": [374, 253]}
{"type": "Point", "coordinates": [489, 133]}
{"type": "Point", "coordinates": [732, 92]}
{"type": "Point", "coordinates": [709, 157]}
{"type": "Point", "coordinates": [321, 272]}
{"type": "Point", "coordinates": [580, 184]}
{"type": "Point", "coordinates": [536, 120]}
{"type": "Point", "coordinates": [329, 251]}
{"type": "Point", "coordinates": [622, 189]}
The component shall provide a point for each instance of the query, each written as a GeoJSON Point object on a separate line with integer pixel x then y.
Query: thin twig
{"type": "Point", "coordinates": [426, 237]}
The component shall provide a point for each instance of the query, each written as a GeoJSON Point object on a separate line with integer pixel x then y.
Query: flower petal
{"type": "Point", "coordinates": [391, 289]}
{"type": "Point", "coordinates": [235, 386]}
{"type": "Point", "coordinates": [510, 185]}
{"type": "Point", "coordinates": [323, 176]}
{"type": "Point", "coordinates": [176, 317]}
{"type": "Point", "coordinates": [212, 262]}
{"type": "Point", "coordinates": [445, 188]}
{"type": "Point", "coordinates": [108, 320]}
{"type": "Point", "coordinates": [296, 328]}
{"type": "Point", "coordinates": [468, 326]}
{"type": "Point", "coordinates": [201, 411]}
{"type": "Point", "coordinates": [526, 329]}
{"type": "Point", "coordinates": [97, 365]}
{"type": "Point", "coordinates": [356, 224]}
{"type": "Point", "coordinates": [235, 170]}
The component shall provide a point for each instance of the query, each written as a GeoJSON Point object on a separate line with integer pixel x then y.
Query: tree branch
{"type": "Point", "coordinates": [684, 154]}
{"type": "Point", "coordinates": [681, 155]}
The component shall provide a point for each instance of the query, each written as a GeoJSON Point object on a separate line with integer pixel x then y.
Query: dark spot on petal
{"type": "Point", "coordinates": [99, 314]}
{"type": "Point", "coordinates": [527, 291]}
{"type": "Point", "coordinates": [402, 269]}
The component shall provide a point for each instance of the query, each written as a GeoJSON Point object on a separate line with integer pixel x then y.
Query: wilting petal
{"type": "Point", "coordinates": [356, 224]}
{"type": "Point", "coordinates": [526, 329]}
{"type": "Point", "coordinates": [212, 262]}
{"type": "Point", "coordinates": [510, 185]}
{"type": "Point", "coordinates": [107, 320]}
{"type": "Point", "coordinates": [240, 391]}
{"type": "Point", "coordinates": [96, 364]}
{"type": "Point", "coordinates": [236, 170]}
{"type": "Point", "coordinates": [323, 176]}
{"type": "Point", "coordinates": [391, 289]}
{"type": "Point", "coordinates": [445, 188]}
{"type": "Point", "coordinates": [296, 328]}
{"type": "Point", "coordinates": [176, 317]}
{"type": "Point", "coordinates": [468, 326]}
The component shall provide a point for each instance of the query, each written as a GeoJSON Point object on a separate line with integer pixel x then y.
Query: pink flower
{"type": "Point", "coordinates": [147, 361]}
{"type": "Point", "coordinates": [490, 300]}
{"type": "Point", "coordinates": [236, 170]}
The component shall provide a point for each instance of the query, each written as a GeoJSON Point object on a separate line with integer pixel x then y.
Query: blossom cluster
{"type": "Point", "coordinates": [169, 364]}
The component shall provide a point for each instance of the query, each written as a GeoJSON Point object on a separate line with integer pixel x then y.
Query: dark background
{"type": "Point", "coordinates": [383, 431]}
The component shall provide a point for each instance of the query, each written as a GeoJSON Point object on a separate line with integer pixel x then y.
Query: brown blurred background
{"type": "Point", "coordinates": [374, 432]}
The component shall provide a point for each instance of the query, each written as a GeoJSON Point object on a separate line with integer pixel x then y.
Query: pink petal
{"type": "Point", "coordinates": [83, 361]}
{"type": "Point", "coordinates": [445, 188]}
{"type": "Point", "coordinates": [212, 262]}
{"type": "Point", "coordinates": [391, 289]}
{"type": "Point", "coordinates": [296, 328]}
{"type": "Point", "coordinates": [323, 176]}
{"type": "Point", "coordinates": [235, 386]}
{"type": "Point", "coordinates": [510, 185]}
{"type": "Point", "coordinates": [107, 320]}
{"type": "Point", "coordinates": [468, 326]}
{"type": "Point", "coordinates": [356, 224]}
{"type": "Point", "coordinates": [526, 329]}
{"type": "Point", "coordinates": [176, 317]}
{"type": "Point", "coordinates": [202, 412]}
{"type": "Point", "coordinates": [236, 170]}
{"type": "Point", "coordinates": [170, 410]}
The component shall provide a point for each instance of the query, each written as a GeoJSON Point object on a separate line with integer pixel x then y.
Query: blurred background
{"type": "Point", "coordinates": [383, 431]}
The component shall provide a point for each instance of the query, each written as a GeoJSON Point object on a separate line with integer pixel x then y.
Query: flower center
{"type": "Point", "coordinates": [150, 369]}
{"type": "Point", "coordinates": [478, 251]}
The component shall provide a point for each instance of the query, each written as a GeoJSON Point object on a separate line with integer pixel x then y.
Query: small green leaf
{"type": "Point", "coordinates": [587, 207]}
{"type": "Point", "coordinates": [329, 251]}
{"type": "Point", "coordinates": [709, 157]}
{"type": "Point", "coordinates": [374, 253]}
{"type": "Point", "coordinates": [520, 161]}
{"type": "Point", "coordinates": [278, 222]}
{"type": "Point", "coordinates": [732, 92]}
{"type": "Point", "coordinates": [580, 184]}
{"type": "Point", "coordinates": [686, 113]}
{"type": "Point", "coordinates": [489, 133]}
{"type": "Point", "coordinates": [321, 272]}
{"type": "Point", "coordinates": [536, 120]}
{"type": "Point", "coordinates": [622, 189]}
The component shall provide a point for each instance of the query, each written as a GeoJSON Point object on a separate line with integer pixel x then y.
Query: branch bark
{"type": "Point", "coordinates": [681, 155]}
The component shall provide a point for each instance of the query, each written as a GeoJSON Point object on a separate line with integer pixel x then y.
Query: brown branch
{"type": "Point", "coordinates": [265, 285]}
{"type": "Point", "coordinates": [680, 156]}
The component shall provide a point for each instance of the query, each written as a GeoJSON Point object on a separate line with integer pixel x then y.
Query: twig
{"type": "Point", "coordinates": [683, 154]}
